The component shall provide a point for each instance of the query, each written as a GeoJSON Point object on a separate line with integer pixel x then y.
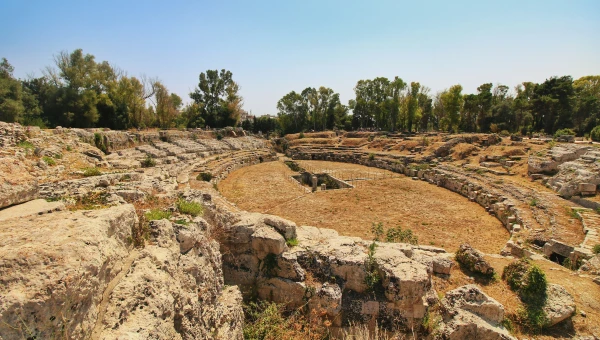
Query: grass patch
{"type": "Point", "coordinates": [49, 160]}
{"type": "Point", "coordinates": [157, 214]}
{"type": "Point", "coordinates": [190, 208]}
{"type": "Point", "coordinates": [371, 156]}
{"type": "Point", "coordinates": [596, 249]}
{"type": "Point", "coordinates": [89, 172]}
{"type": "Point", "coordinates": [292, 242]}
{"type": "Point", "coordinates": [182, 221]}
{"type": "Point", "coordinates": [533, 202]}
{"type": "Point", "coordinates": [91, 201]}
{"type": "Point", "coordinates": [204, 176]}
{"type": "Point", "coordinates": [27, 145]}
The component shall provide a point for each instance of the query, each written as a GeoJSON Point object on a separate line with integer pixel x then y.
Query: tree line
{"type": "Point", "coordinates": [395, 105]}
{"type": "Point", "coordinates": [78, 91]}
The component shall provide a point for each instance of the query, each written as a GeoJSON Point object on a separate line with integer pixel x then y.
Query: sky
{"type": "Point", "coordinates": [274, 47]}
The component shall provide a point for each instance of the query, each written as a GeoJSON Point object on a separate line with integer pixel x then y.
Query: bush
{"type": "Point", "coordinates": [88, 172]}
{"type": "Point", "coordinates": [294, 166]}
{"type": "Point", "coordinates": [204, 176]}
{"type": "Point", "coordinates": [292, 242]}
{"type": "Point", "coordinates": [595, 134]}
{"type": "Point", "coordinates": [148, 162]}
{"type": "Point", "coordinates": [99, 141]}
{"type": "Point", "coordinates": [596, 249]}
{"type": "Point", "coordinates": [219, 136]}
{"type": "Point", "coordinates": [504, 133]}
{"type": "Point", "coordinates": [301, 135]}
{"type": "Point", "coordinates": [402, 236]}
{"type": "Point", "coordinates": [190, 208]}
{"type": "Point", "coordinates": [564, 132]}
{"type": "Point", "coordinates": [49, 160]}
{"type": "Point", "coordinates": [157, 214]}
{"type": "Point", "coordinates": [371, 156]}
{"type": "Point", "coordinates": [530, 283]}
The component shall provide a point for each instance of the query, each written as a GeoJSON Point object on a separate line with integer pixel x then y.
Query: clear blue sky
{"type": "Point", "coordinates": [273, 47]}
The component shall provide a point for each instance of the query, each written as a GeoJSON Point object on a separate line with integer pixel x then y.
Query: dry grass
{"type": "Point", "coordinates": [463, 150]}
{"type": "Point", "coordinates": [437, 216]}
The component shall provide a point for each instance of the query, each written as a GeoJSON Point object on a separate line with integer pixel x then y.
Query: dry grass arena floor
{"type": "Point", "coordinates": [437, 216]}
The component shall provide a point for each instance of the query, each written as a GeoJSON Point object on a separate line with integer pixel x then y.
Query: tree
{"type": "Point", "coordinates": [485, 102]}
{"type": "Point", "coordinates": [552, 104]}
{"type": "Point", "coordinates": [11, 94]}
{"type": "Point", "coordinates": [218, 99]}
{"type": "Point", "coordinates": [413, 103]}
{"type": "Point", "coordinates": [453, 101]}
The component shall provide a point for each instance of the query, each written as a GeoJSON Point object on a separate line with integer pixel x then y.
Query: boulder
{"type": "Point", "coordinates": [283, 226]}
{"type": "Point", "coordinates": [328, 298]}
{"type": "Point", "coordinates": [265, 240]}
{"type": "Point", "coordinates": [473, 260]}
{"type": "Point", "coordinates": [469, 313]}
{"type": "Point", "coordinates": [472, 299]}
{"type": "Point", "coordinates": [16, 184]}
{"type": "Point", "coordinates": [560, 305]}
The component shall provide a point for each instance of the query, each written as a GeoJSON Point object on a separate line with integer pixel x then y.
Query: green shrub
{"type": "Point", "coordinates": [182, 221]}
{"type": "Point", "coordinates": [402, 236]}
{"type": "Point", "coordinates": [371, 156]}
{"type": "Point", "coordinates": [504, 133]}
{"type": "Point", "coordinates": [89, 172]}
{"type": "Point", "coordinates": [219, 136]}
{"type": "Point", "coordinates": [533, 202]}
{"type": "Point", "coordinates": [204, 176]}
{"type": "Point", "coordinates": [595, 134]}
{"type": "Point", "coordinates": [157, 214]}
{"type": "Point", "coordinates": [564, 132]}
{"type": "Point", "coordinates": [49, 160]}
{"type": "Point", "coordinates": [530, 283]}
{"type": "Point", "coordinates": [190, 208]}
{"type": "Point", "coordinates": [596, 249]}
{"type": "Point", "coordinates": [69, 148]}
{"type": "Point", "coordinates": [301, 135]}
{"type": "Point", "coordinates": [294, 166]}
{"type": "Point", "coordinates": [99, 141]}
{"type": "Point", "coordinates": [292, 242]}
{"type": "Point", "coordinates": [148, 162]}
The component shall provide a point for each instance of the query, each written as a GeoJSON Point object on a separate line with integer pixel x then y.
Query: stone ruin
{"type": "Point", "coordinates": [78, 274]}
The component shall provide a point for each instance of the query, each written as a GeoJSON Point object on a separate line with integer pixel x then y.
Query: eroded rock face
{"type": "Point", "coordinates": [52, 275]}
{"type": "Point", "coordinates": [473, 260]}
{"type": "Point", "coordinates": [16, 184]}
{"type": "Point", "coordinates": [470, 314]}
{"type": "Point", "coordinates": [173, 290]}
{"type": "Point", "coordinates": [258, 259]}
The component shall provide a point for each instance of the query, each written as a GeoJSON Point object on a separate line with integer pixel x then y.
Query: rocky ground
{"type": "Point", "coordinates": [110, 234]}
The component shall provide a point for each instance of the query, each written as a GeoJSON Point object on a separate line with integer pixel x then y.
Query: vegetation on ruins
{"type": "Point", "coordinates": [530, 283]}
{"type": "Point", "coordinates": [49, 160]}
{"type": "Point", "coordinates": [190, 208]}
{"type": "Point", "coordinates": [148, 162]}
{"type": "Point", "coordinates": [157, 214]}
{"type": "Point", "coordinates": [596, 249]}
{"type": "Point", "coordinates": [89, 172]}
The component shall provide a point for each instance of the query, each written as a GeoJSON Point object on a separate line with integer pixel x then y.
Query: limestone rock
{"type": "Point", "coordinates": [52, 275]}
{"type": "Point", "coordinates": [470, 314]}
{"type": "Point", "coordinates": [473, 260]}
{"type": "Point", "coordinates": [560, 305]}
{"type": "Point", "coordinates": [282, 291]}
{"type": "Point", "coordinates": [472, 299]}
{"type": "Point", "coordinates": [16, 184]}
{"type": "Point", "coordinates": [35, 207]}
{"type": "Point", "coordinates": [285, 227]}
{"type": "Point", "coordinates": [329, 299]}
{"type": "Point", "coordinates": [266, 240]}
